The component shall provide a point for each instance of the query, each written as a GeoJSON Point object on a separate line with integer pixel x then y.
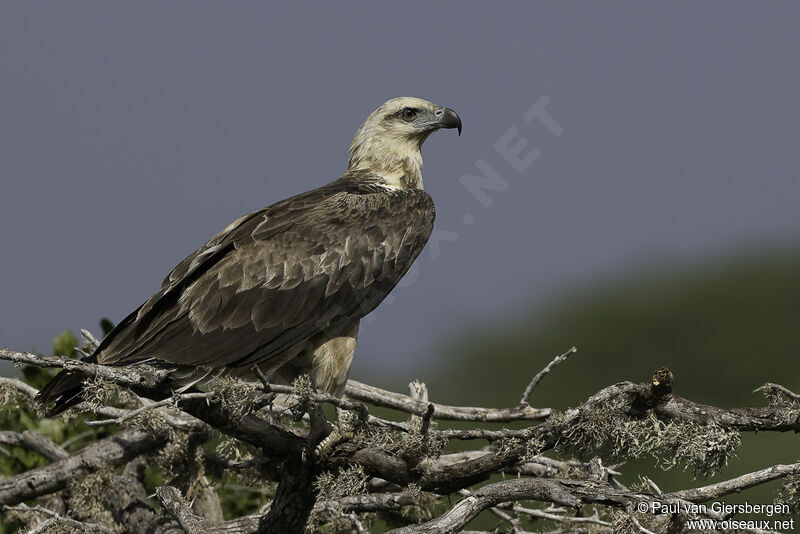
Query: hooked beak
{"type": "Point", "coordinates": [446, 118]}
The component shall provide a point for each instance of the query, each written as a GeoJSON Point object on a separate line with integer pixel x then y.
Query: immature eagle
{"type": "Point", "coordinates": [284, 287]}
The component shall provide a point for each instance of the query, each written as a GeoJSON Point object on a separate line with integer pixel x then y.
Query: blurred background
{"type": "Point", "coordinates": [650, 217]}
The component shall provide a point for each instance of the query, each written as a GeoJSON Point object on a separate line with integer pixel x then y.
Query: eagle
{"type": "Point", "coordinates": [284, 288]}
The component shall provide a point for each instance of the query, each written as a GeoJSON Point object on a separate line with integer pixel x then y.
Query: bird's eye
{"type": "Point", "coordinates": [409, 114]}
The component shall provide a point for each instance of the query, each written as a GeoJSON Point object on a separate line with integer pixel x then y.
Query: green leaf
{"type": "Point", "coordinates": [64, 344]}
{"type": "Point", "coordinates": [106, 325]}
{"type": "Point", "coordinates": [36, 376]}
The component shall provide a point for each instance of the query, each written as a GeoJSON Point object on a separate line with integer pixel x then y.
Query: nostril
{"type": "Point", "coordinates": [438, 112]}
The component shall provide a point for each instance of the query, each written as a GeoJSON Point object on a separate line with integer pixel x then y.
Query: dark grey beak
{"type": "Point", "coordinates": [447, 118]}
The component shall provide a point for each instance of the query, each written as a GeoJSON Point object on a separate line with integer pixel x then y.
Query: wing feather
{"type": "Point", "coordinates": [276, 277]}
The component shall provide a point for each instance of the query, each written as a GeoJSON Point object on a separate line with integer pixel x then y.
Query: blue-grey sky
{"type": "Point", "coordinates": [131, 132]}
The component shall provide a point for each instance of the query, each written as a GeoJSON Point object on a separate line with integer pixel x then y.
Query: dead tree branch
{"type": "Point", "coordinates": [400, 466]}
{"type": "Point", "coordinates": [112, 451]}
{"type": "Point", "coordinates": [410, 405]}
{"type": "Point", "coordinates": [34, 441]}
{"type": "Point", "coordinates": [526, 395]}
{"type": "Point", "coordinates": [172, 500]}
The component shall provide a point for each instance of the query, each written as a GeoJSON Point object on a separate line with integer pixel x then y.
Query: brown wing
{"type": "Point", "coordinates": [278, 276]}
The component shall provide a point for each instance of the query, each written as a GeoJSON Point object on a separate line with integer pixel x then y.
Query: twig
{"type": "Point", "coordinates": [139, 375]}
{"type": "Point", "coordinates": [489, 435]}
{"type": "Point", "coordinates": [89, 341]}
{"type": "Point", "coordinates": [737, 484]}
{"type": "Point", "coordinates": [526, 395]}
{"type": "Point", "coordinates": [569, 493]}
{"type": "Point", "coordinates": [404, 403]}
{"type": "Point", "coordinates": [277, 448]}
{"type": "Point", "coordinates": [319, 397]}
{"type": "Point", "coordinates": [150, 405]}
{"type": "Point", "coordinates": [594, 519]}
{"type": "Point", "coordinates": [777, 387]}
{"type": "Point", "coordinates": [419, 391]}
{"type": "Point", "coordinates": [633, 400]}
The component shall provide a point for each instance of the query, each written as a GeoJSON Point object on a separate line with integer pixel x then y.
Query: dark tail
{"type": "Point", "coordinates": [65, 390]}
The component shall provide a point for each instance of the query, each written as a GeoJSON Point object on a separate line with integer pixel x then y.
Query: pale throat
{"type": "Point", "coordinates": [398, 166]}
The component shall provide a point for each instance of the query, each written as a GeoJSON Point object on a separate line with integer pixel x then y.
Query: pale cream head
{"type": "Point", "coordinates": [388, 143]}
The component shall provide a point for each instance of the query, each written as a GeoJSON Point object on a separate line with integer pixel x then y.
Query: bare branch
{"type": "Point", "coordinates": [769, 386]}
{"type": "Point", "coordinates": [404, 403]}
{"type": "Point", "coordinates": [150, 405]}
{"type": "Point", "coordinates": [134, 376]}
{"type": "Point", "coordinates": [114, 450]}
{"type": "Point", "coordinates": [735, 485]}
{"type": "Point", "coordinates": [569, 493]}
{"type": "Point", "coordinates": [558, 514]}
{"type": "Point", "coordinates": [398, 470]}
{"type": "Point", "coordinates": [526, 395]}
{"type": "Point", "coordinates": [372, 502]}
{"type": "Point", "coordinates": [36, 442]}
{"type": "Point", "coordinates": [89, 341]}
{"type": "Point", "coordinates": [18, 385]}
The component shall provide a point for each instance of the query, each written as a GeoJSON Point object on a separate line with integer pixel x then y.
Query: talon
{"type": "Point", "coordinates": [342, 431]}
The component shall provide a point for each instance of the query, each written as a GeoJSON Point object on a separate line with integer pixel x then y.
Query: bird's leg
{"type": "Point", "coordinates": [343, 430]}
{"type": "Point", "coordinates": [318, 428]}
{"type": "Point", "coordinates": [318, 422]}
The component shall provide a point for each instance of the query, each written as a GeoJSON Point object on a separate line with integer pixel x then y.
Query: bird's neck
{"type": "Point", "coordinates": [406, 175]}
{"type": "Point", "coordinates": [396, 167]}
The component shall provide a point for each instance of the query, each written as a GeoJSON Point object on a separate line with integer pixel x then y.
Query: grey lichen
{"type": "Point", "coordinates": [611, 434]}
{"type": "Point", "coordinates": [345, 482]}
{"type": "Point", "coordinates": [704, 448]}
{"type": "Point", "coordinates": [151, 421]}
{"type": "Point", "coordinates": [86, 495]}
{"type": "Point", "coordinates": [233, 449]}
{"type": "Point", "coordinates": [788, 408]}
{"type": "Point", "coordinates": [418, 444]}
{"type": "Point", "coordinates": [236, 396]}
{"type": "Point", "coordinates": [99, 392]}
{"type": "Point", "coordinates": [10, 398]}
{"type": "Point", "coordinates": [789, 493]}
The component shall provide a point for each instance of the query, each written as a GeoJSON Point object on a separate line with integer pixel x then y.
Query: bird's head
{"type": "Point", "coordinates": [388, 143]}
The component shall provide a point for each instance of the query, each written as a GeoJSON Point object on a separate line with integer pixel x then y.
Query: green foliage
{"type": "Point", "coordinates": [64, 344]}
{"type": "Point", "coordinates": [106, 325]}
{"type": "Point", "coordinates": [239, 491]}
{"type": "Point", "coordinates": [722, 328]}
{"type": "Point", "coordinates": [37, 376]}
{"type": "Point", "coordinates": [18, 413]}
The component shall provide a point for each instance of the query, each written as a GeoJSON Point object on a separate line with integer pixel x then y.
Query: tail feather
{"type": "Point", "coordinates": [65, 390]}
